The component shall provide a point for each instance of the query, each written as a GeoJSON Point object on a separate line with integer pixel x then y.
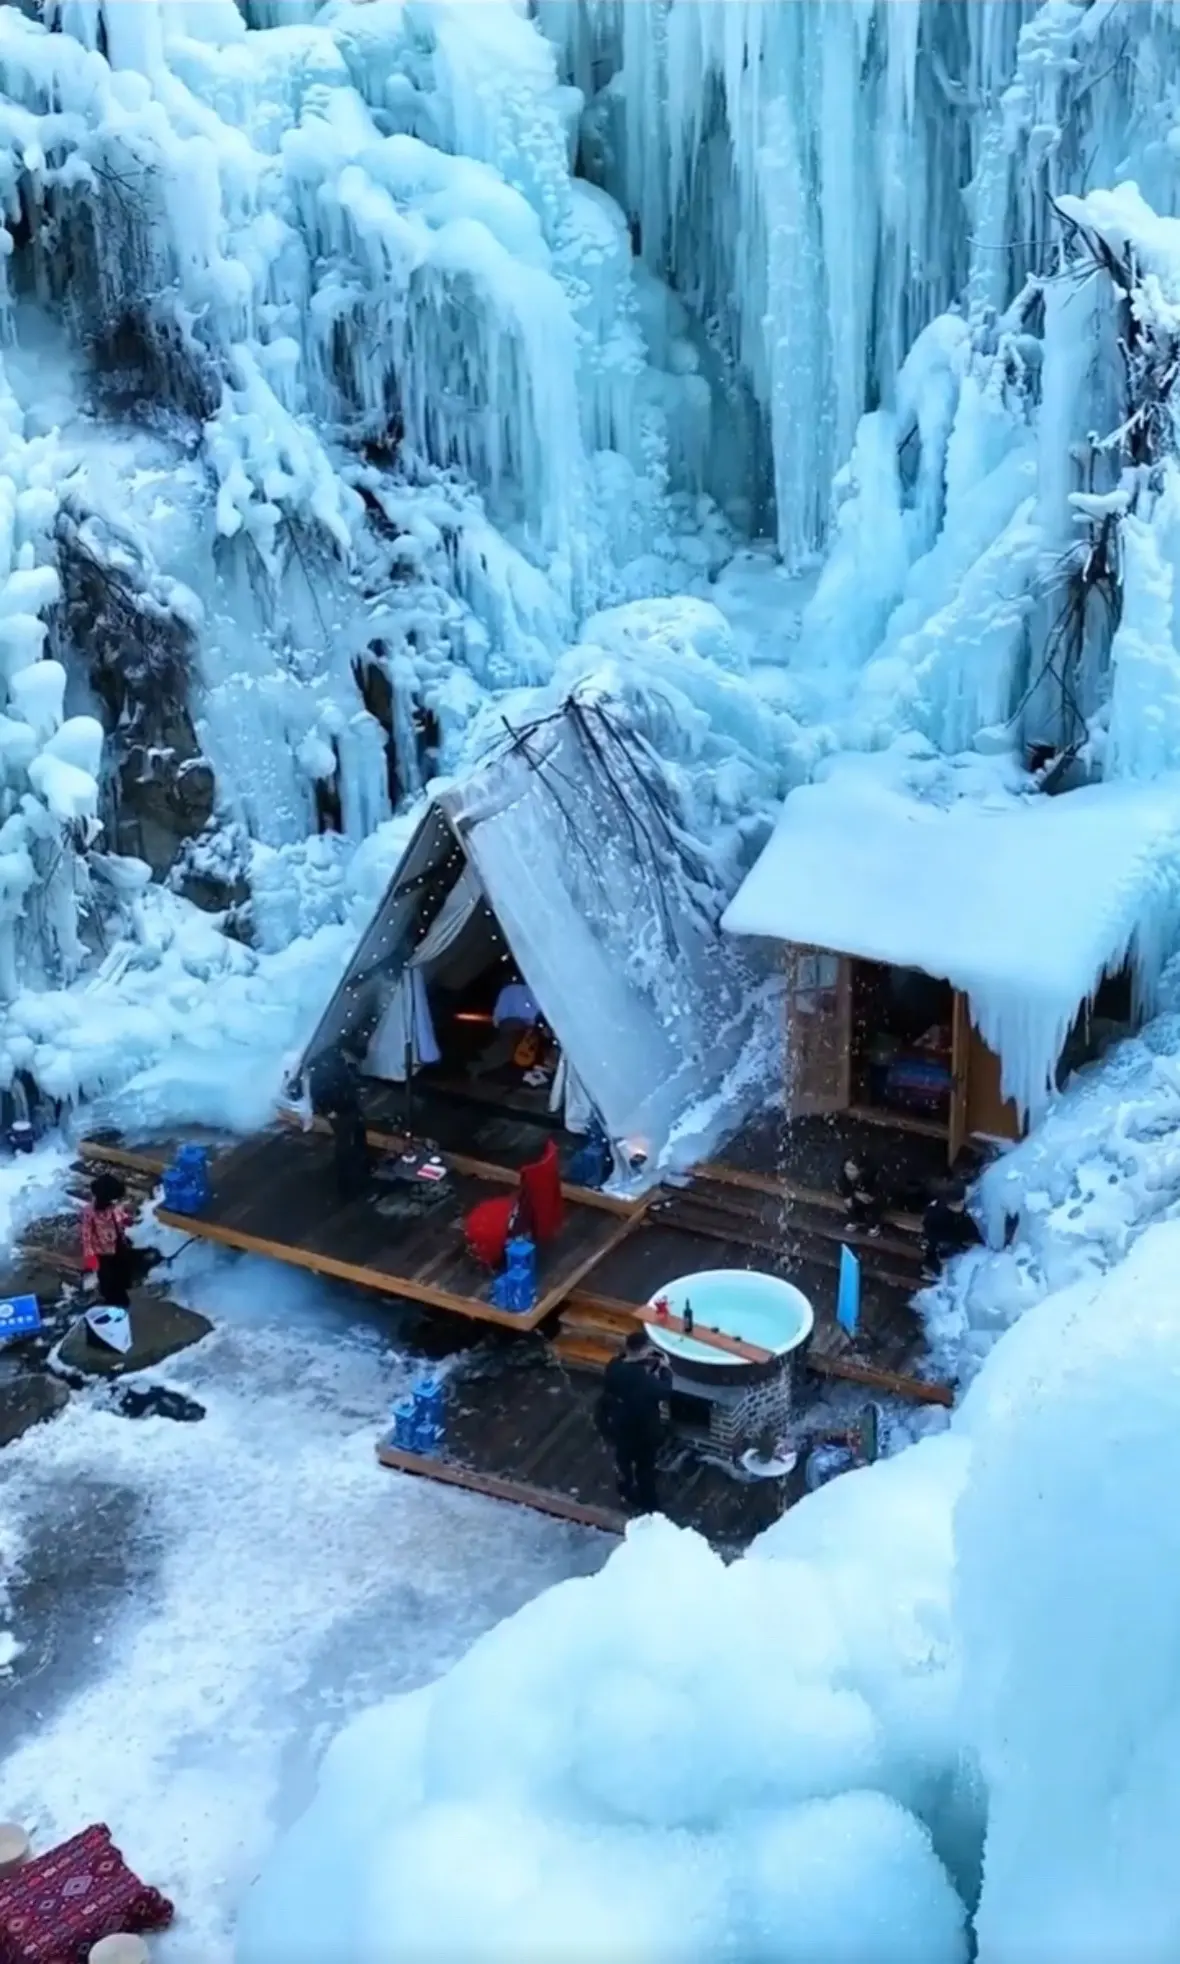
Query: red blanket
{"type": "Point", "coordinates": [57, 1906]}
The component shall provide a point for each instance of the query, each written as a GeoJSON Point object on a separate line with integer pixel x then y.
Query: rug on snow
{"type": "Point", "coordinates": [55, 1908]}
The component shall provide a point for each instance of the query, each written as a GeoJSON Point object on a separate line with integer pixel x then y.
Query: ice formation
{"type": "Point", "coordinates": [408, 343]}
{"type": "Point", "coordinates": [940, 1688]}
{"type": "Point", "coordinates": [798, 380]}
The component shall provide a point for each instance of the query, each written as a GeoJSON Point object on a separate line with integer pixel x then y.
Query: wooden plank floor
{"type": "Point", "coordinates": [276, 1195]}
{"type": "Point", "coordinates": [522, 1429]}
{"type": "Point", "coordinates": [805, 1155]}
{"type": "Point", "coordinates": [460, 1124]}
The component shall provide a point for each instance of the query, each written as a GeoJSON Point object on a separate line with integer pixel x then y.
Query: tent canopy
{"type": "Point", "coordinates": [646, 998]}
{"type": "Point", "coordinates": [1023, 903]}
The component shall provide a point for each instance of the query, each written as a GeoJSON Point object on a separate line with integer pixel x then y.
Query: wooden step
{"type": "Point", "coordinates": [787, 1215]}
{"type": "Point", "coordinates": [794, 1247]}
{"type": "Point", "coordinates": [783, 1187]}
{"type": "Point", "coordinates": [580, 1315]}
{"type": "Point", "coordinates": [584, 1353]}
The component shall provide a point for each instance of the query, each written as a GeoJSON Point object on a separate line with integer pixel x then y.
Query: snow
{"type": "Point", "coordinates": [265, 1579]}
{"type": "Point", "coordinates": [806, 428]}
{"type": "Point", "coordinates": [582, 1733]}
{"type": "Point", "coordinates": [1022, 903]}
{"type": "Point", "coordinates": [942, 1684]}
{"type": "Point", "coordinates": [1069, 1619]}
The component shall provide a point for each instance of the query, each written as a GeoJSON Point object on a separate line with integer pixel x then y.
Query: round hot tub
{"type": "Point", "coordinates": [757, 1309]}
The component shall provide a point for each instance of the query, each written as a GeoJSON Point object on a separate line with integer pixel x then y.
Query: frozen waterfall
{"type": "Point", "coordinates": [362, 358]}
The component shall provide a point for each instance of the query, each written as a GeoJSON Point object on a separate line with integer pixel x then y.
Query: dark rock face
{"type": "Point", "coordinates": [26, 1399]}
{"type": "Point", "coordinates": [138, 649]}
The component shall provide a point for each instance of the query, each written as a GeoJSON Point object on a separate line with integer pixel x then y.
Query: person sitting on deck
{"type": "Point", "coordinates": [106, 1252]}
{"type": "Point", "coordinates": [859, 1188]}
{"type": "Point", "coordinates": [630, 1417]}
{"type": "Point", "coordinates": [947, 1230]}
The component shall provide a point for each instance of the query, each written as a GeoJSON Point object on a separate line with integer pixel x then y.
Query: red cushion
{"type": "Point", "coordinates": [540, 1185]}
{"type": "Point", "coordinates": [488, 1227]}
{"type": "Point", "coordinates": [58, 1906]}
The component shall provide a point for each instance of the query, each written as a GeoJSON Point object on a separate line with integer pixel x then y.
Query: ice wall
{"type": "Point", "coordinates": [467, 323]}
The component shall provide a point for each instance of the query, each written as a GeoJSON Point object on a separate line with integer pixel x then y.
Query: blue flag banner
{"type": "Point", "coordinates": [20, 1316]}
{"type": "Point", "coordinates": [848, 1299]}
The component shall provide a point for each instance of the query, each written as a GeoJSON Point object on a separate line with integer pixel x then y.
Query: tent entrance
{"type": "Point", "coordinates": [460, 1017]}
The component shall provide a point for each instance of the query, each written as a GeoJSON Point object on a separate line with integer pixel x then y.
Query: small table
{"type": "Point", "coordinates": [418, 1180]}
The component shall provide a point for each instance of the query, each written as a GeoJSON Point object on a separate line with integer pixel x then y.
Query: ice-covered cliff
{"type": "Point", "coordinates": [362, 358]}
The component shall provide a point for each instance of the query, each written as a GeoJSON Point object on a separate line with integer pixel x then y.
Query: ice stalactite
{"type": "Point", "coordinates": [49, 762]}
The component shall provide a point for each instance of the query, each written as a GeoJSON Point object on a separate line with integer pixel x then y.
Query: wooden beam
{"type": "Point", "coordinates": [364, 1278]}
{"type": "Point", "coordinates": [134, 1159]}
{"type": "Point", "coordinates": [779, 1186]}
{"type": "Point", "coordinates": [606, 1519]}
{"type": "Point", "coordinates": [920, 1391]}
{"type": "Point", "coordinates": [921, 1128]}
{"type": "Point", "coordinates": [485, 1169]}
{"type": "Point", "coordinates": [557, 1295]}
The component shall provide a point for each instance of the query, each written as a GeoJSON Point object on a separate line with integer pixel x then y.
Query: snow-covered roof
{"type": "Point", "coordinates": [1021, 902]}
{"type": "Point", "coordinates": [606, 912]}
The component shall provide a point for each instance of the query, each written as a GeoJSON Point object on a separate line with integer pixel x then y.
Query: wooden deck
{"type": "Point", "coordinates": [521, 1429]}
{"type": "Point", "coordinates": [461, 1122]}
{"type": "Point", "coordinates": [276, 1196]}
{"type": "Point", "coordinates": [802, 1157]}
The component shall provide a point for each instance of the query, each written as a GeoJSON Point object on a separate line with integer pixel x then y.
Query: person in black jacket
{"type": "Point", "coordinates": [353, 1164]}
{"type": "Point", "coordinates": [947, 1230]}
{"type": "Point", "coordinates": [860, 1189]}
{"type": "Point", "coordinates": [631, 1419]}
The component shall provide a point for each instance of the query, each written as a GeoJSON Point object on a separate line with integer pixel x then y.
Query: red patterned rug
{"type": "Point", "coordinates": [57, 1906]}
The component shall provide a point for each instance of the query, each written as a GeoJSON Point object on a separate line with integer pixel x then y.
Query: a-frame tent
{"type": "Point", "coordinates": [566, 848]}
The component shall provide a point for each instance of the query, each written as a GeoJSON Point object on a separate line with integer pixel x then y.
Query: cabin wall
{"type": "Point", "coordinates": [989, 1114]}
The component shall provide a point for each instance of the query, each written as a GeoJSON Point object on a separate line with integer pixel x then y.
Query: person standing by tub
{"type": "Point", "coordinates": [630, 1417]}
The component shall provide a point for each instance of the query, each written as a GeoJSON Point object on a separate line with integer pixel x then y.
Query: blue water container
{"type": "Point", "coordinates": [405, 1425]}
{"type": "Point", "coordinates": [516, 1289]}
{"type": "Point", "coordinates": [429, 1393]}
{"type": "Point", "coordinates": [186, 1182]}
{"type": "Point", "coordinates": [429, 1399]}
{"type": "Point", "coordinates": [427, 1435]}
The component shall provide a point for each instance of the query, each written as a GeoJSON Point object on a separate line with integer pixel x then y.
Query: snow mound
{"type": "Point", "coordinates": [960, 1662]}
{"type": "Point", "coordinates": [722, 1782]}
{"type": "Point", "coordinates": [1069, 1617]}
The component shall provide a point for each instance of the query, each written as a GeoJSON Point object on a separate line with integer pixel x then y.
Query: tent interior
{"type": "Point", "coordinates": [461, 1016]}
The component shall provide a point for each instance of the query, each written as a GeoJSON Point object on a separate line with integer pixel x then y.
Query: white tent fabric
{"type": "Point", "coordinates": [406, 1028]}
{"type": "Point", "coordinates": [1023, 903]}
{"type": "Point", "coordinates": [647, 1030]}
{"type": "Point", "coordinates": [650, 1006]}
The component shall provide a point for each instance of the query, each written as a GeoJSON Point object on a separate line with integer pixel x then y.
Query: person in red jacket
{"type": "Point", "coordinates": [106, 1251]}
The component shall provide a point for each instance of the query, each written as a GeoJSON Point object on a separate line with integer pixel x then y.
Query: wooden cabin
{"type": "Point", "coordinates": [946, 967]}
{"type": "Point", "coordinates": [894, 1046]}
